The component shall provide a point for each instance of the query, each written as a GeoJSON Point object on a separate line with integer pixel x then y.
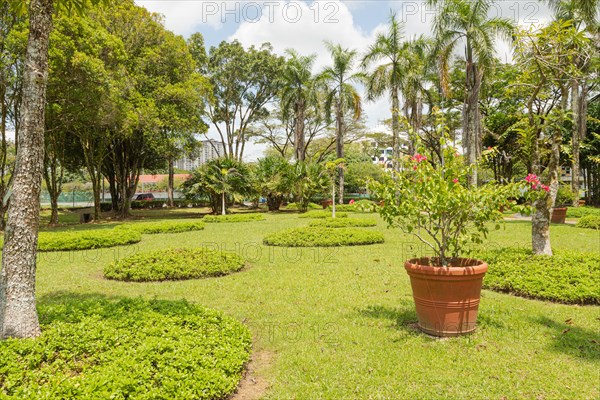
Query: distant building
{"type": "Point", "coordinates": [210, 150]}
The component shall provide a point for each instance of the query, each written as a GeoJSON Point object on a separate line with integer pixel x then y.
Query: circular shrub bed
{"type": "Point", "coordinates": [323, 214]}
{"type": "Point", "coordinates": [344, 222]}
{"type": "Point", "coordinates": [174, 264]}
{"type": "Point", "coordinates": [323, 237]}
{"type": "Point", "coordinates": [234, 218]}
{"type": "Point", "coordinates": [153, 227]}
{"type": "Point", "coordinates": [84, 240]}
{"type": "Point", "coordinates": [566, 277]}
{"type": "Point", "coordinates": [95, 348]}
{"type": "Point", "coordinates": [590, 222]}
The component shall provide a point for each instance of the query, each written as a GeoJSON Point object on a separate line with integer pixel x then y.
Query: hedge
{"type": "Point", "coordinates": [93, 348]}
{"type": "Point", "coordinates": [579, 212]}
{"type": "Point", "coordinates": [296, 206]}
{"type": "Point", "coordinates": [173, 264]}
{"type": "Point", "coordinates": [323, 214]}
{"type": "Point", "coordinates": [344, 222]}
{"type": "Point", "coordinates": [152, 227]}
{"type": "Point", "coordinates": [84, 240]}
{"type": "Point", "coordinates": [566, 277]}
{"type": "Point", "coordinates": [363, 206]}
{"type": "Point", "coordinates": [323, 237]}
{"type": "Point", "coordinates": [234, 218]}
{"type": "Point", "coordinates": [589, 221]}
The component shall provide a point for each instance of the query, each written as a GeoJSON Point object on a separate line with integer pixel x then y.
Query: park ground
{"type": "Point", "coordinates": [340, 322]}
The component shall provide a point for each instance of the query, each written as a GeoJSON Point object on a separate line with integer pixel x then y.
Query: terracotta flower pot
{"type": "Point", "coordinates": [326, 203]}
{"type": "Point", "coordinates": [558, 215]}
{"type": "Point", "coordinates": [446, 298]}
{"type": "Point", "coordinates": [582, 202]}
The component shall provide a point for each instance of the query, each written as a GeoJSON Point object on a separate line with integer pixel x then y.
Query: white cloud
{"type": "Point", "coordinates": [305, 27]}
{"type": "Point", "coordinates": [184, 16]}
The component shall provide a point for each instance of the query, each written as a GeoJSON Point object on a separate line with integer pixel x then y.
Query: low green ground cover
{"type": "Point", "coordinates": [154, 227]}
{"type": "Point", "coordinates": [590, 222]}
{"type": "Point", "coordinates": [93, 347]}
{"type": "Point", "coordinates": [344, 222]}
{"type": "Point", "coordinates": [174, 264]}
{"type": "Point", "coordinates": [323, 214]}
{"type": "Point", "coordinates": [234, 218]}
{"type": "Point", "coordinates": [316, 236]}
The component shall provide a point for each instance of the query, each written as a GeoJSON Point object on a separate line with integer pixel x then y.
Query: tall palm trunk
{"type": "Point", "coordinates": [339, 115]}
{"type": "Point", "coordinates": [472, 117]}
{"type": "Point", "coordinates": [18, 314]}
{"type": "Point", "coordinates": [396, 128]}
{"type": "Point", "coordinates": [299, 140]}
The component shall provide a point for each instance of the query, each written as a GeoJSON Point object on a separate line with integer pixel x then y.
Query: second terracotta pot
{"type": "Point", "coordinates": [446, 298]}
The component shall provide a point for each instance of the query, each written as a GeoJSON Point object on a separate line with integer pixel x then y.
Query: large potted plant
{"type": "Point", "coordinates": [431, 201]}
{"type": "Point", "coordinates": [564, 198]}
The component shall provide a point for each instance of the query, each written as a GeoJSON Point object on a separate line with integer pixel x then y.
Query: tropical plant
{"type": "Point", "coordinates": [309, 181]}
{"type": "Point", "coordinates": [274, 179]}
{"type": "Point", "coordinates": [468, 22]}
{"type": "Point", "coordinates": [220, 179]}
{"type": "Point", "coordinates": [298, 90]}
{"type": "Point", "coordinates": [341, 95]}
{"type": "Point", "coordinates": [386, 78]}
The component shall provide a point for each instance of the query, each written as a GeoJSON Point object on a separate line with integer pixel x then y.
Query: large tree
{"type": "Point", "coordinates": [244, 82]}
{"type": "Point", "coordinates": [386, 78]}
{"type": "Point", "coordinates": [297, 92]}
{"type": "Point", "coordinates": [467, 23]}
{"type": "Point", "coordinates": [584, 14]}
{"type": "Point", "coordinates": [342, 96]}
{"type": "Point", "coordinates": [545, 57]}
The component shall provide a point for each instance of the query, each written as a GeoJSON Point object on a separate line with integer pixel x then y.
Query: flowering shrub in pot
{"type": "Point", "coordinates": [431, 201]}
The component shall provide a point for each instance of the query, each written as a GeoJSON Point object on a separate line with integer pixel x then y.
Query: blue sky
{"type": "Point", "coordinates": [304, 25]}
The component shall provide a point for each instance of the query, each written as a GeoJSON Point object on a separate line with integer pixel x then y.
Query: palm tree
{"type": "Point", "coordinates": [386, 78]}
{"type": "Point", "coordinates": [298, 90]}
{"type": "Point", "coordinates": [415, 79]}
{"type": "Point", "coordinates": [341, 95]}
{"type": "Point", "coordinates": [467, 21]}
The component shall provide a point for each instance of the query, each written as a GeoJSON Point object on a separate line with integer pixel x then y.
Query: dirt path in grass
{"type": "Point", "coordinates": [254, 386]}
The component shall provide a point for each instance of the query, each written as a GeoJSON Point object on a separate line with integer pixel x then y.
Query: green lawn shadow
{"type": "Point", "coordinates": [571, 339]}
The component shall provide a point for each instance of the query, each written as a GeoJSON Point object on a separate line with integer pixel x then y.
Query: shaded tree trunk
{"type": "Point", "coordinates": [170, 198]}
{"type": "Point", "coordinates": [18, 314]}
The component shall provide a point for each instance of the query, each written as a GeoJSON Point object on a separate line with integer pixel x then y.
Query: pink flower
{"type": "Point", "coordinates": [419, 158]}
{"type": "Point", "coordinates": [546, 188]}
{"type": "Point", "coordinates": [532, 178]}
{"type": "Point", "coordinates": [455, 180]}
{"type": "Point", "coordinates": [490, 148]}
{"type": "Point", "coordinates": [414, 167]}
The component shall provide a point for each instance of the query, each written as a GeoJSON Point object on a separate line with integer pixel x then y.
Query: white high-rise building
{"type": "Point", "coordinates": [209, 150]}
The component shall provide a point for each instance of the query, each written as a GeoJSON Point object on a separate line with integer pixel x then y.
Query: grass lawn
{"type": "Point", "coordinates": [339, 322]}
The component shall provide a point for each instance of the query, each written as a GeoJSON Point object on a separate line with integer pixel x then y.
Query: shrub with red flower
{"type": "Point", "coordinates": [427, 200]}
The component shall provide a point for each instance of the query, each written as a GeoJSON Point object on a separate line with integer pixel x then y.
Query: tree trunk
{"type": "Point", "coordinates": [223, 203]}
{"type": "Point", "coordinates": [396, 130]}
{"type": "Point", "coordinates": [540, 227]}
{"type": "Point", "coordinates": [472, 119]}
{"type": "Point", "coordinates": [579, 107]}
{"type": "Point", "coordinates": [171, 200]}
{"type": "Point", "coordinates": [299, 141]}
{"type": "Point", "coordinates": [340, 146]}
{"type": "Point", "coordinates": [18, 314]}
